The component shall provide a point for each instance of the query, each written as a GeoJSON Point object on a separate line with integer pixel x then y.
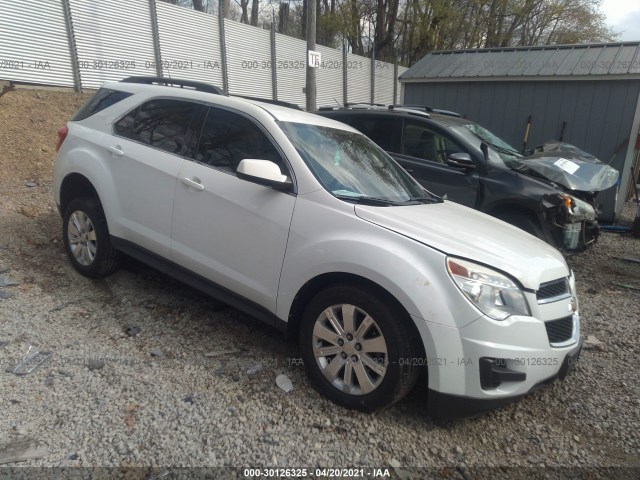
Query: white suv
{"type": "Point", "coordinates": [305, 223]}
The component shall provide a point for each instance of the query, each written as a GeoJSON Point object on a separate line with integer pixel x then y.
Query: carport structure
{"type": "Point", "coordinates": [585, 95]}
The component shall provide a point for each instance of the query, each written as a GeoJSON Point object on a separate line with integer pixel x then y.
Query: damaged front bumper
{"type": "Point", "coordinates": [573, 222]}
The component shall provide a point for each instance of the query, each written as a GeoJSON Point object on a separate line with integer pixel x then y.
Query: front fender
{"type": "Point", "coordinates": [344, 243]}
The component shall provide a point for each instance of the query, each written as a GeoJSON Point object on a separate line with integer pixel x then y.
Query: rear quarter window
{"type": "Point", "coordinates": [103, 98]}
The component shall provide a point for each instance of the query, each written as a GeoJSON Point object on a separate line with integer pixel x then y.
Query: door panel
{"type": "Point", "coordinates": [231, 231]}
{"type": "Point", "coordinates": [424, 154]}
{"type": "Point", "coordinates": [146, 153]}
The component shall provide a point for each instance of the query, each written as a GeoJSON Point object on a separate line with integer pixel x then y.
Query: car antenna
{"type": "Point", "coordinates": [337, 103]}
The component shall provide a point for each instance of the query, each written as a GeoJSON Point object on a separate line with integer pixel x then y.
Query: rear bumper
{"type": "Point", "coordinates": [447, 406]}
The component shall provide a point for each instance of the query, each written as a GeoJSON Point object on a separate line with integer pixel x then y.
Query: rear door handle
{"type": "Point", "coordinates": [117, 150]}
{"type": "Point", "coordinates": [193, 183]}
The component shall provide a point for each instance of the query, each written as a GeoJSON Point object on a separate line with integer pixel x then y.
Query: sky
{"type": "Point", "coordinates": [623, 16]}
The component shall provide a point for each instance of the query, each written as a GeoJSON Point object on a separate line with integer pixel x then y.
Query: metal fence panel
{"type": "Point", "coordinates": [329, 77]}
{"type": "Point", "coordinates": [383, 87]}
{"type": "Point", "coordinates": [358, 79]}
{"type": "Point", "coordinates": [291, 69]}
{"type": "Point", "coordinates": [189, 44]}
{"type": "Point", "coordinates": [33, 43]}
{"type": "Point", "coordinates": [114, 40]}
{"type": "Point", "coordinates": [249, 59]}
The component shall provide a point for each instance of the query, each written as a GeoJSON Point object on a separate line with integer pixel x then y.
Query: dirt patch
{"type": "Point", "coordinates": [29, 121]}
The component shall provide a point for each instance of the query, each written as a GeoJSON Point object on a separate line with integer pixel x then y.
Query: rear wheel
{"type": "Point", "coordinates": [358, 349]}
{"type": "Point", "coordinates": [86, 238]}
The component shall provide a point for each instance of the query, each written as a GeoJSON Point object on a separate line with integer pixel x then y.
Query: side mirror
{"type": "Point", "coordinates": [461, 160]}
{"type": "Point", "coordinates": [263, 172]}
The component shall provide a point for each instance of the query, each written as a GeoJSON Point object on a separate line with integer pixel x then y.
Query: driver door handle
{"type": "Point", "coordinates": [193, 183]}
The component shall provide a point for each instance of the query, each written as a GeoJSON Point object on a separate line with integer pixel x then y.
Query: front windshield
{"type": "Point", "coordinates": [500, 152]}
{"type": "Point", "coordinates": [351, 166]}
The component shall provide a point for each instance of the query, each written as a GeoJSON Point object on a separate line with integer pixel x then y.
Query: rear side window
{"type": "Point", "coordinates": [103, 98]}
{"type": "Point", "coordinates": [165, 124]}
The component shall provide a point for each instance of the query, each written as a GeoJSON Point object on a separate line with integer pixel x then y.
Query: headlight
{"type": "Point", "coordinates": [578, 209]}
{"type": "Point", "coordinates": [493, 293]}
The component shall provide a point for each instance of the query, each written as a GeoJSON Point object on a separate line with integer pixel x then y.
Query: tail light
{"type": "Point", "coordinates": [62, 134]}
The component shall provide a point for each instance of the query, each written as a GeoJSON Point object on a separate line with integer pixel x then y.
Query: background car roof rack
{"type": "Point", "coordinates": [281, 103]}
{"type": "Point", "coordinates": [429, 109]}
{"type": "Point", "coordinates": [174, 82]}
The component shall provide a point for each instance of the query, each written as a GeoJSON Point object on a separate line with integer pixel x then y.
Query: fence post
{"type": "Point", "coordinates": [395, 82]}
{"type": "Point", "coordinates": [223, 47]}
{"type": "Point", "coordinates": [345, 98]}
{"type": "Point", "coordinates": [153, 13]}
{"type": "Point", "coordinates": [274, 70]}
{"type": "Point", "coordinates": [73, 48]}
{"type": "Point", "coordinates": [373, 73]}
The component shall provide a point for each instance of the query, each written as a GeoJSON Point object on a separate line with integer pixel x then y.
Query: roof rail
{"type": "Point", "coordinates": [170, 82]}
{"type": "Point", "coordinates": [429, 109]}
{"type": "Point", "coordinates": [281, 103]}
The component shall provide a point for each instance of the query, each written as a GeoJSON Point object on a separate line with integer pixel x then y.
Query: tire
{"type": "Point", "coordinates": [86, 238]}
{"type": "Point", "coordinates": [363, 380]}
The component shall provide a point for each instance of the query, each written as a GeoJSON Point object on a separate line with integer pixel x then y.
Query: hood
{"type": "Point", "coordinates": [568, 166]}
{"type": "Point", "coordinates": [467, 233]}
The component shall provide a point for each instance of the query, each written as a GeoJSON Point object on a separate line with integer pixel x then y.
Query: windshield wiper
{"type": "Point", "coordinates": [506, 151]}
{"type": "Point", "coordinates": [428, 197]}
{"type": "Point", "coordinates": [363, 200]}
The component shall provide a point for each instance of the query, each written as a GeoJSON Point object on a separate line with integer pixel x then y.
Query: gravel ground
{"type": "Point", "coordinates": [108, 398]}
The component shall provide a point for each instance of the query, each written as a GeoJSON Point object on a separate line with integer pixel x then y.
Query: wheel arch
{"type": "Point", "coordinates": [322, 281]}
{"type": "Point", "coordinates": [75, 185]}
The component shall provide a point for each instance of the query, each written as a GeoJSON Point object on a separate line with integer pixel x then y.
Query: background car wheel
{"type": "Point", "coordinates": [86, 238]}
{"type": "Point", "coordinates": [523, 221]}
{"type": "Point", "coordinates": [358, 349]}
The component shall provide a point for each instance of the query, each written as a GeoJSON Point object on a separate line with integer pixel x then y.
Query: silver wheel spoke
{"type": "Point", "coordinates": [349, 318]}
{"type": "Point", "coordinates": [326, 351]}
{"type": "Point", "coordinates": [347, 383]}
{"type": "Point", "coordinates": [364, 326]}
{"type": "Point", "coordinates": [374, 345]}
{"type": "Point", "coordinates": [91, 248]}
{"type": "Point", "coordinates": [377, 367]}
{"type": "Point", "coordinates": [333, 320]}
{"type": "Point", "coordinates": [366, 385]}
{"type": "Point", "coordinates": [91, 236]}
{"type": "Point", "coordinates": [332, 370]}
{"type": "Point", "coordinates": [76, 222]}
{"type": "Point", "coordinates": [320, 331]}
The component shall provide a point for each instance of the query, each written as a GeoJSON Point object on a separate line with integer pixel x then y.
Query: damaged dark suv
{"type": "Point", "coordinates": [549, 191]}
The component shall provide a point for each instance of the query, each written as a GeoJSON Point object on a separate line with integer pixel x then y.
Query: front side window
{"type": "Point", "coordinates": [422, 142]}
{"type": "Point", "coordinates": [351, 166]}
{"type": "Point", "coordinates": [227, 138]}
{"type": "Point", "coordinates": [164, 124]}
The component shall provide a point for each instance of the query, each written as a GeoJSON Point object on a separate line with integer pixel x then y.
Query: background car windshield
{"type": "Point", "coordinates": [500, 152]}
{"type": "Point", "coordinates": [349, 164]}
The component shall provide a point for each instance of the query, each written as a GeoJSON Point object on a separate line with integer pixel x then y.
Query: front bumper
{"type": "Point", "coordinates": [448, 406]}
{"type": "Point", "coordinates": [489, 363]}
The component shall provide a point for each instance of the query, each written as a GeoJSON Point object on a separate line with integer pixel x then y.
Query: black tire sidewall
{"type": "Point", "coordinates": [400, 348]}
{"type": "Point", "coordinates": [93, 210]}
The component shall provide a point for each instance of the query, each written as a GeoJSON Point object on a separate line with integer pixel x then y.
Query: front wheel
{"type": "Point", "coordinates": [86, 238]}
{"type": "Point", "coordinates": [358, 349]}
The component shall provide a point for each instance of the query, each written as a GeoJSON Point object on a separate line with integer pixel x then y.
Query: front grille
{"type": "Point", "coordinates": [552, 290]}
{"type": "Point", "coordinates": [559, 330]}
